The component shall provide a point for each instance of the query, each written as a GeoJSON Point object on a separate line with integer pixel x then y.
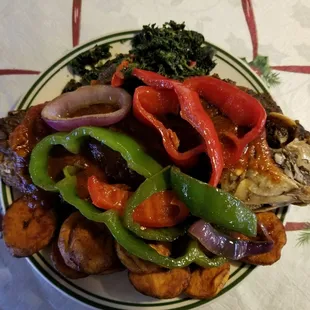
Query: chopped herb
{"type": "Point", "coordinates": [87, 66]}
{"type": "Point", "coordinates": [71, 86]}
{"type": "Point", "coordinates": [172, 51]}
{"type": "Point", "coordinates": [87, 61]}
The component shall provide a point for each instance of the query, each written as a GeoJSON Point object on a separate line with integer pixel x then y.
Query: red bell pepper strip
{"type": "Point", "coordinates": [118, 76]}
{"type": "Point", "coordinates": [193, 112]}
{"type": "Point", "coordinates": [107, 196]}
{"type": "Point", "coordinates": [153, 79]}
{"type": "Point", "coordinates": [238, 106]}
{"type": "Point", "coordinates": [149, 103]}
{"type": "Point", "coordinates": [162, 209]}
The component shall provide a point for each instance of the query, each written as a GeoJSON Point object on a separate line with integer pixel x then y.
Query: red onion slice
{"type": "Point", "coordinates": [224, 245]}
{"type": "Point", "coordinates": [56, 112]}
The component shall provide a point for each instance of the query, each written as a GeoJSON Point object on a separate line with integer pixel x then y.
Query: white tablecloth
{"type": "Point", "coordinates": [33, 34]}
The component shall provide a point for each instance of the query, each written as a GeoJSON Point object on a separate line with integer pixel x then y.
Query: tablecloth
{"type": "Point", "coordinates": [35, 33]}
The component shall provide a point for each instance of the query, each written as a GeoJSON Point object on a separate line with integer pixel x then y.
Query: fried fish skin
{"type": "Point", "coordinates": [86, 246]}
{"type": "Point", "coordinates": [28, 227]}
{"type": "Point", "coordinates": [206, 283]}
{"type": "Point", "coordinates": [137, 265]}
{"type": "Point", "coordinates": [277, 233]}
{"type": "Point", "coordinates": [60, 265]}
{"type": "Point", "coordinates": [163, 284]}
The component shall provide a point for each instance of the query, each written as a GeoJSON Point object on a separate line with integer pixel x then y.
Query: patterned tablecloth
{"type": "Point", "coordinates": [35, 33]}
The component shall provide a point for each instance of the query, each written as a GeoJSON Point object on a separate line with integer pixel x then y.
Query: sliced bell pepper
{"type": "Point", "coordinates": [240, 107]}
{"type": "Point", "coordinates": [213, 205]}
{"type": "Point", "coordinates": [118, 76]}
{"type": "Point", "coordinates": [129, 241]}
{"type": "Point", "coordinates": [107, 196]}
{"type": "Point", "coordinates": [149, 103]}
{"type": "Point", "coordinates": [192, 111]}
{"type": "Point", "coordinates": [162, 209]}
{"type": "Point", "coordinates": [130, 150]}
{"type": "Point", "coordinates": [157, 183]}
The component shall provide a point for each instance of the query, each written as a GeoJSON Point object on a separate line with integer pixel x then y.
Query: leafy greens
{"type": "Point", "coordinates": [170, 50]}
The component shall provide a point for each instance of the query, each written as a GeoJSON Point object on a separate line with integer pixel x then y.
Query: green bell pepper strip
{"type": "Point", "coordinates": [133, 244]}
{"type": "Point", "coordinates": [157, 183]}
{"type": "Point", "coordinates": [130, 150]}
{"type": "Point", "coordinates": [213, 205]}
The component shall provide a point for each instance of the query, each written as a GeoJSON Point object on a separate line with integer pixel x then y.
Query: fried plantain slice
{"type": "Point", "coordinates": [276, 232]}
{"type": "Point", "coordinates": [86, 246]}
{"type": "Point", "coordinates": [28, 227]}
{"type": "Point", "coordinates": [64, 237]}
{"type": "Point", "coordinates": [137, 265]}
{"type": "Point", "coordinates": [208, 282]}
{"type": "Point", "coordinates": [60, 265]}
{"type": "Point", "coordinates": [164, 284]}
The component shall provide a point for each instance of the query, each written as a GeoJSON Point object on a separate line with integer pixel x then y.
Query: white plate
{"type": "Point", "coordinates": [114, 291]}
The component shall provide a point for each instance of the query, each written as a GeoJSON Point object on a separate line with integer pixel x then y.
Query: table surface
{"type": "Point", "coordinates": [35, 33]}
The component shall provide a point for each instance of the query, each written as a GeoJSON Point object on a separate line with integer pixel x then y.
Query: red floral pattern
{"type": "Point", "coordinates": [296, 69]}
{"type": "Point", "coordinates": [76, 21]}
{"type": "Point", "coordinates": [17, 72]}
{"type": "Point", "coordinates": [293, 226]}
{"type": "Point", "coordinates": [250, 19]}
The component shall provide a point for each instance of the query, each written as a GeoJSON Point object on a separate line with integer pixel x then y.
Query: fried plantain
{"type": "Point", "coordinates": [60, 265]}
{"type": "Point", "coordinates": [276, 232]}
{"type": "Point", "coordinates": [115, 267]}
{"type": "Point", "coordinates": [137, 265]}
{"type": "Point", "coordinates": [28, 227]}
{"type": "Point", "coordinates": [208, 282]}
{"type": "Point", "coordinates": [164, 284]}
{"type": "Point", "coordinates": [86, 246]}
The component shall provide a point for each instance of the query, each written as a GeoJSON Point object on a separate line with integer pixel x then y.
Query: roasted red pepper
{"type": "Point", "coordinates": [162, 209]}
{"type": "Point", "coordinates": [107, 196]}
{"type": "Point", "coordinates": [149, 103]}
{"type": "Point", "coordinates": [118, 76]}
{"type": "Point", "coordinates": [193, 112]}
{"type": "Point", "coordinates": [238, 106]}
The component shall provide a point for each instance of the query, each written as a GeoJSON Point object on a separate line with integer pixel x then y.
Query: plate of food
{"type": "Point", "coordinates": [149, 169]}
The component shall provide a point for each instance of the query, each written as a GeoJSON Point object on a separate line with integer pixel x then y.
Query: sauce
{"type": "Point", "coordinates": [94, 109]}
{"type": "Point", "coordinates": [30, 131]}
{"type": "Point", "coordinates": [258, 158]}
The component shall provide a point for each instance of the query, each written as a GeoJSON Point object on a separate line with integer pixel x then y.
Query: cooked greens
{"type": "Point", "coordinates": [88, 60]}
{"type": "Point", "coordinates": [87, 65]}
{"type": "Point", "coordinates": [170, 50]}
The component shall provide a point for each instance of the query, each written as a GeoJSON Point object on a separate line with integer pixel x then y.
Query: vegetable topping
{"type": "Point", "coordinates": [161, 209]}
{"type": "Point", "coordinates": [241, 108]}
{"type": "Point", "coordinates": [57, 112]}
{"type": "Point", "coordinates": [193, 112]}
{"type": "Point", "coordinates": [172, 51]}
{"type": "Point", "coordinates": [224, 245]}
